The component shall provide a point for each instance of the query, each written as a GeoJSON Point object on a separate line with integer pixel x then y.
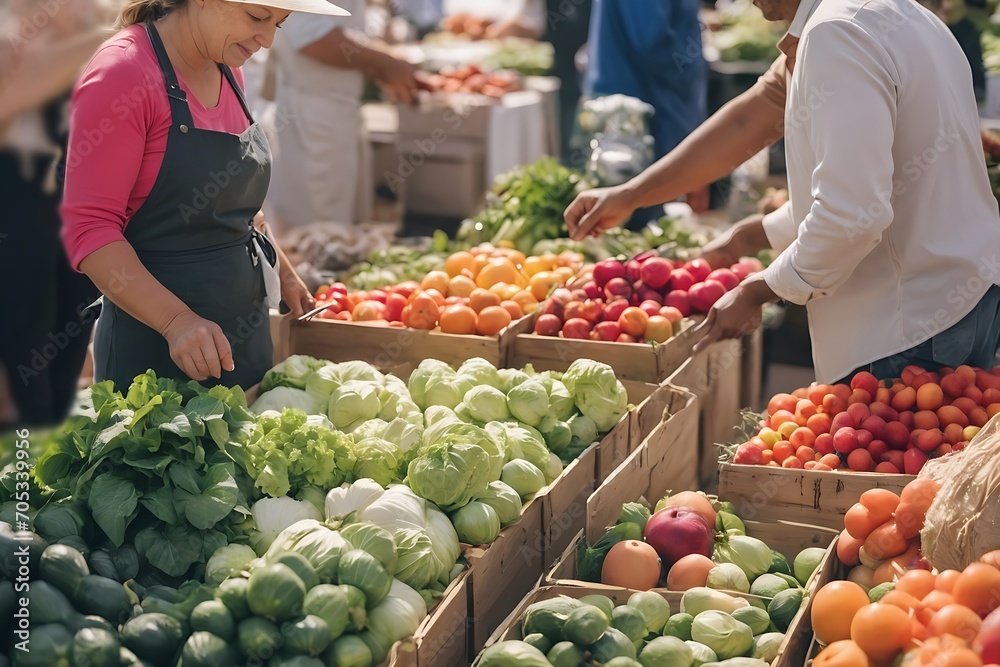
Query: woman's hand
{"type": "Point", "coordinates": [595, 211]}
{"type": "Point", "coordinates": [198, 346]}
{"type": "Point", "coordinates": [294, 293]}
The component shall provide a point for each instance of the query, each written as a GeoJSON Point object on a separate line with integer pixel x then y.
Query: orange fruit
{"type": "Point", "coordinates": [881, 630]}
{"type": "Point", "coordinates": [513, 308]}
{"type": "Point", "coordinates": [458, 261]}
{"type": "Point", "coordinates": [946, 580]}
{"type": "Point", "coordinates": [978, 588]}
{"type": "Point", "coordinates": [904, 601]}
{"type": "Point", "coordinates": [955, 619]}
{"type": "Point", "coordinates": [542, 283]}
{"type": "Point", "coordinates": [436, 280]}
{"type": "Point", "coordinates": [505, 290]}
{"type": "Point", "coordinates": [833, 609]}
{"type": "Point", "coordinates": [533, 265]}
{"type": "Point", "coordinates": [843, 653]}
{"type": "Point", "coordinates": [492, 320]}
{"type": "Point", "coordinates": [918, 583]}
{"type": "Point", "coordinates": [526, 300]}
{"type": "Point", "coordinates": [461, 286]}
{"type": "Point", "coordinates": [497, 270]}
{"type": "Point", "coordinates": [481, 298]}
{"type": "Point", "coordinates": [458, 319]}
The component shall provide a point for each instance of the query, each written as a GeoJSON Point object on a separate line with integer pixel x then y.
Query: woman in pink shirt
{"type": "Point", "coordinates": [166, 173]}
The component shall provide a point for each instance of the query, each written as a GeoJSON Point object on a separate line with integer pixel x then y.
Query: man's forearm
{"type": "Point", "coordinates": [338, 49]}
{"type": "Point", "coordinates": [117, 271]}
{"type": "Point", "coordinates": [43, 74]}
{"type": "Point", "coordinates": [729, 138]}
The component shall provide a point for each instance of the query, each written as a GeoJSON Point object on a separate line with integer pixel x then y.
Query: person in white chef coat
{"type": "Point", "coordinates": [322, 166]}
{"type": "Point", "coordinates": [505, 18]}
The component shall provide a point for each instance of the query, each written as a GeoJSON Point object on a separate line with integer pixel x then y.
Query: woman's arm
{"type": "Point", "coordinates": [197, 346]}
{"type": "Point", "coordinates": [294, 292]}
{"type": "Point", "coordinates": [395, 76]}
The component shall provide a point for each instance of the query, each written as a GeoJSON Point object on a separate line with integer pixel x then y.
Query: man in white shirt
{"type": "Point", "coordinates": [891, 237]}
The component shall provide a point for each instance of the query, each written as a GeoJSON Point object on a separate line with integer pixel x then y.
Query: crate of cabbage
{"type": "Point", "coordinates": [615, 627]}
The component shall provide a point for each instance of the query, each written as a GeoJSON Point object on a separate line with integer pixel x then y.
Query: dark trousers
{"type": "Point", "coordinates": [43, 330]}
{"type": "Point", "coordinates": [972, 341]}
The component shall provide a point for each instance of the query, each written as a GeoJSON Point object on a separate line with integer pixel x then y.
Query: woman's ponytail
{"type": "Point", "coordinates": [141, 11]}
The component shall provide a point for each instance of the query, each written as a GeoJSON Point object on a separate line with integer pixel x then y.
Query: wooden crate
{"type": "Point", "coordinates": [395, 349]}
{"type": "Point", "coordinates": [631, 361]}
{"type": "Point", "coordinates": [665, 461]}
{"type": "Point", "coordinates": [714, 376]}
{"type": "Point", "coordinates": [621, 440]}
{"type": "Point", "coordinates": [752, 379]}
{"type": "Point", "coordinates": [766, 493]}
{"type": "Point", "coordinates": [442, 639]}
{"type": "Point", "coordinates": [790, 654]}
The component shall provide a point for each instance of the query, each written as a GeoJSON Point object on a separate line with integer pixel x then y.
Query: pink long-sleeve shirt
{"type": "Point", "coordinates": [118, 135]}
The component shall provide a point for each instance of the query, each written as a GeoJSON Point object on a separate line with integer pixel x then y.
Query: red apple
{"type": "Point", "coordinates": [679, 299]}
{"type": "Point", "coordinates": [609, 331]}
{"type": "Point", "coordinates": [625, 338]}
{"type": "Point", "coordinates": [377, 295]}
{"type": "Point", "coordinates": [617, 287]}
{"type": "Point", "coordinates": [646, 293]}
{"type": "Point", "coordinates": [576, 328]}
{"type": "Point", "coordinates": [632, 268]}
{"type": "Point", "coordinates": [699, 269]}
{"type": "Point", "coordinates": [592, 311]}
{"type": "Point", "coordinates": [740, 271]}
{"type": "Point", "coordinates": [579, 294]}
{"type": "Point", "coordinates": [607, 269]}
{"type": "Point", "coordinates": [671, 313]}
{"type": "Point", "coordinates": [651, 308]}
{"type": "Point", "coordinates": [593, 290]}
{"type": "Point", "coordinates": [613, 309]}
{"type": "Point", "coordinates": [548, 325]}
{"type": "Point", "coordinates": [681, 279]}
{"type": "Point", "coordinates": [406, 288]}
{"type": "Point", "coordinates": [704, 295]}
{"type": "Point", "coordinates": [562, 295]}
{"type": "Point", "coordinates": [728, 279]}
{"type": "Point", "coordinates": [573, 310]}
{"type": "Point", "coordinates": [659, 329]}
{"type": "Point", "coordinates": [655, 272]}
{"type": "Point", "coordinates": [552, 307]}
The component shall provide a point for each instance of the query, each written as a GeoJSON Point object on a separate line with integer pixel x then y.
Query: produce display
{"type": "Point", "coordinates": [478, 292]}
{"type": "Point", "coordinates": [704, 630]}
{"type": "Point", "coordinates": [893, 605]}
{"type": "Point", "coordinates": [469, 79]}
{"type": "Point", "coordinates": [692, 541]}
{"type": "Point", "coordinates": [642, 300]}
{"type": "Point", "coordinates": [871, 426]}
{"type": "Point", "coordinates": [745, 35]}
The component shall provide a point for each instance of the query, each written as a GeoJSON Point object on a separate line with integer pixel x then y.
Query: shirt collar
{"type": "Point", "coordinates": [802, 15]}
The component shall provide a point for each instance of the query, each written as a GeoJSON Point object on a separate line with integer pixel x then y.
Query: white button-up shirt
{"type": "Point", "coordinates": [892, 233]}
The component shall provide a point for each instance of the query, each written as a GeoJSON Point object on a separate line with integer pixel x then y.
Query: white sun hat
{"type": "Point", "coordinates": [306, 6]}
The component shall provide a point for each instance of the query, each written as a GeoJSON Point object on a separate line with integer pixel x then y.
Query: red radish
{"type": "Point", "coordinates": [704, 295]}
{"type": "Point", "coordinates": [655, 272]}
{"type": "Point", "coordinates": [699, 269]}
{"type": "Point", "coordinates": [679, 299]}
{"type": "Point", "coordinates": [617, 287]}
{"type": "Point", "coordinates": [676, 532]}
{"type": "Point", "coordinates": [607, 269]}
{"type": "Point", "coordinates": [728, 279]}
{"type": "Point", "coordinates": [681, 279]}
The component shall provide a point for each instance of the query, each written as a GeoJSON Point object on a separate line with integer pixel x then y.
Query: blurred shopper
{"type": "Point", "coordinates": [884, 146]}
{"type": "Point", "coordinates": [566, 29]}
{"type": "Point", "coordinates": [495, 19]}
{"type": "Point", "coordinates": [651, 50]}
{"type": "Point", "coordinates": [44, 335]}
{"type": "Point", "coordinates": [166, 174]}
{"type": "Point", "coordinates": [323, 164]}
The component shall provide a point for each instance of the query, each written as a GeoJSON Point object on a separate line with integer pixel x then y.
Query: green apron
{"type": "Point", "coordinates": [195, 234]}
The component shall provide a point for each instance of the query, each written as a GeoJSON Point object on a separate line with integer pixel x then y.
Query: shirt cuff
{"type": "Point", "coordinates": [786, 282]}
{"type": "Point", "coordinates": [780, 228]}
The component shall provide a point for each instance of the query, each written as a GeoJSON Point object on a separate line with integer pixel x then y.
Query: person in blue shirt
{"type": "Point", "coordinates": [651, 50]}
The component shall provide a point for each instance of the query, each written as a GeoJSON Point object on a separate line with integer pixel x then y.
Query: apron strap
{"type": "Point", "coordinates": [179, 110]}
{"type": "Point", "coordinates": [239, 91]}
